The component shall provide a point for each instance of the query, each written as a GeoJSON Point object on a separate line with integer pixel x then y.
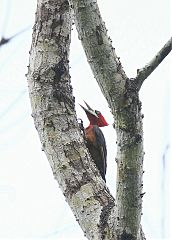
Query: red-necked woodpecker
{"type": "Point", "coordinates": [95, 139]}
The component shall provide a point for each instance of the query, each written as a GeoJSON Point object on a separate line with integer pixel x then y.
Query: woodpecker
{"type": "Point", "coordinates": [95, 139]}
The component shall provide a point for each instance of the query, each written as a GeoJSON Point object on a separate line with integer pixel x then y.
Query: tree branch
{"type": "Point", "coordinates": [4, 41]}
{"type": "Point", "coordinates": [144, 72]}
{"type": "Point", "coordinates": [122, 96]}
{"type": "Point", "coordinates": [101, 56]}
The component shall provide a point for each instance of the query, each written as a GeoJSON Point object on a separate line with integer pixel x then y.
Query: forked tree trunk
{"type": "Point", "coordinates": [55, 119]}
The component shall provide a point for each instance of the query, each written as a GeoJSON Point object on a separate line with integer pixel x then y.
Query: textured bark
{"type": "Point", "coordinates": [122, 96]}
{"type": "Point", "coordinates": [55, 120]}
{"type": "Point", "coordinates": [144, 72]}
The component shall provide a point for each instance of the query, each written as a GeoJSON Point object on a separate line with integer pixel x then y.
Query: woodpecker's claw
{"type": "Point", "coordinates": [81, 126]}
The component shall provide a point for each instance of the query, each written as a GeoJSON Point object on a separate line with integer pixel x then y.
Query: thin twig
{"type": "Point", "coordinates": [4, 40]}
{"type": "Point", "coordinates": [144, 72]}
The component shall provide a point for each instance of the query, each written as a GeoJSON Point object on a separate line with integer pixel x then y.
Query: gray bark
{"type": "Point", "coordinates": [122, 96]}
{"type": "Point", "coordinates": [55, 120]}
{"type": "Point", "coordinates": [53, 110]}
{"type": "Point", "coordinates": [144, 72]}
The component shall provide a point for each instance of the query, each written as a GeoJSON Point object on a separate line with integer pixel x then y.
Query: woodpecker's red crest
{"type": "Point", "coordinates": [95, 117]}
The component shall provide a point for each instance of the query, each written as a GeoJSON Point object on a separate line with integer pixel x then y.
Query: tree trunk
{"type": "Point", "coordinates": [122, 96]}
{"type": "Point", "coordinates": [56, 122]}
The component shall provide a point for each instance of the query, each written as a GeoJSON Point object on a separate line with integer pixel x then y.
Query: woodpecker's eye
{"type": "Point", "coordinates": [97, 112]}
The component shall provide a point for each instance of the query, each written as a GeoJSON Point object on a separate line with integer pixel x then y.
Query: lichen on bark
{"type": "Point", "coordinates": [53, 111]}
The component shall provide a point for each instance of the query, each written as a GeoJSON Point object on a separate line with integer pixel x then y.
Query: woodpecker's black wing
{"type": "Point", "coordinates": [98, 150]}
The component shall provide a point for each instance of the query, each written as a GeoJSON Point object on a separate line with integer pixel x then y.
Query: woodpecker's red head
{"type": "Point", "coordinates": [95, 117]}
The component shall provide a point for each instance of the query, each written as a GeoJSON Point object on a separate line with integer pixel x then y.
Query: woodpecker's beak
{"type": "Point", "coordinates": [89, 110]}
